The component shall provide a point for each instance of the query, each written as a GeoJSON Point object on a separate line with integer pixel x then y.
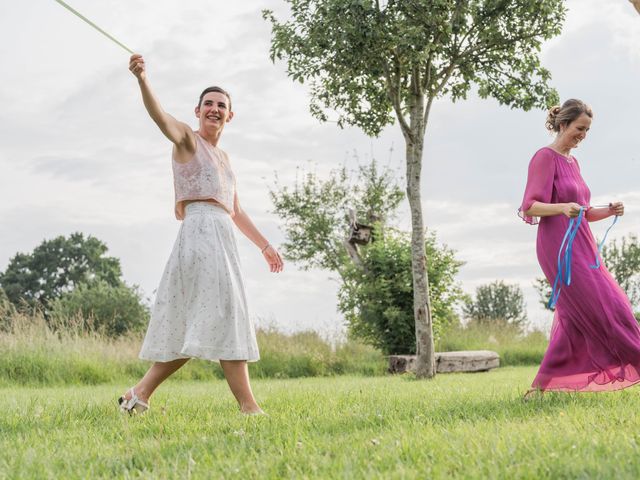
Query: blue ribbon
{"type": "Point", "coordinates": [564, 259]}
{"type": "Point", "coordinates": [601, 244]}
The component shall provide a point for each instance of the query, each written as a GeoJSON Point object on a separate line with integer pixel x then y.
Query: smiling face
{"type": "Point", "coordinates": [572, 134]}
{"type": "Point", "coordinates": [213, 112]}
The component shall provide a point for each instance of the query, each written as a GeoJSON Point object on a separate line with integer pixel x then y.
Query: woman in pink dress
{"type": "Point", "coordinates": [595, 339]}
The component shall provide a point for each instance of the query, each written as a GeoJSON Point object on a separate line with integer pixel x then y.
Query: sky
{"type": "Point", "coordinates": [79, 153]}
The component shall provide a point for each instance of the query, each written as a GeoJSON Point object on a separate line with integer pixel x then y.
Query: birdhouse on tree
{"type": "Point", "coordinates": [360, 234]}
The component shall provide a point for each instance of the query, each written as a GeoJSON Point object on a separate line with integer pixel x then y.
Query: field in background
{"type": "Point", "coordinates": [35, 354]}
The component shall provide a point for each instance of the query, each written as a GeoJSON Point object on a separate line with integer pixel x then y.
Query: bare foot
{"type": "Point", "coordinates": [251, 410]}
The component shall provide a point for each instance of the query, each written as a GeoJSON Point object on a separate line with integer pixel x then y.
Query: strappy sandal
{"type": "Point", "coordinates": [132, 406]}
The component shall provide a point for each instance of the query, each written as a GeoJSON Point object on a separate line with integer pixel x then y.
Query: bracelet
{"type": "Point", "coordinates": [265, 247]}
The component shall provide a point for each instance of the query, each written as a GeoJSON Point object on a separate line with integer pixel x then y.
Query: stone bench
{"type": "Point", "coordinates": [446, 362]}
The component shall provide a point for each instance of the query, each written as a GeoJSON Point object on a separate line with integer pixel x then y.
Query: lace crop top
{"type": "Point", "coordinates": [207, 176]}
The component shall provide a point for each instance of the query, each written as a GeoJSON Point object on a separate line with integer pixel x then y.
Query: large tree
{"type": "Point", "coordinates": [57, 266]}
{"type": "Point", "coordinates": [369, 62]}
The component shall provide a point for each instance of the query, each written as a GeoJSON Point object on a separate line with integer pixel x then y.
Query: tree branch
{"type": "Point", "coordinates": [393, 90]}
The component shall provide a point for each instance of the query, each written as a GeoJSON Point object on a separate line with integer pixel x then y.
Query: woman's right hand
{"type": "Point", "coordinates": [571, 210]}
{"type": "Point", "coordinates": [136, 66]}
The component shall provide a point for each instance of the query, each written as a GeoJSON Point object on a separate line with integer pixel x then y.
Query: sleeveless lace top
{"type": "Point", "coordinates": [207, 176]}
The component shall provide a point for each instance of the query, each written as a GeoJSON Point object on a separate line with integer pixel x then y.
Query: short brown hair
{"type": "Point", "coordinates": [570, 110]}
{"type": "Point", "coordinates": [214, 89]}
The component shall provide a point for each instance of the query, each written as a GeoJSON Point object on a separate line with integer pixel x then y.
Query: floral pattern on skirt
{"type": "Point", "coordinates": [200, 309]}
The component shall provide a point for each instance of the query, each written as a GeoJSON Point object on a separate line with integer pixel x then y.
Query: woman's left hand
{"type": "Point", "coordinates": [617, 208]}
{"type": "Point", "coordinates": [273, 258]}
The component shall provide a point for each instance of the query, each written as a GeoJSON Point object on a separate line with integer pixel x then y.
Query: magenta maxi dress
{"type": "Point", "coordinates": [595, 339]}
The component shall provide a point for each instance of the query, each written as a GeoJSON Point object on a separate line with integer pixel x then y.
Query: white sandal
{"type": "Point", "coordinates": [133, 406]}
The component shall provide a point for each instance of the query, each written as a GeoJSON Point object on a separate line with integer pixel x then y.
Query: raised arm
{"type": "Point", "coordinates": [179, 133]}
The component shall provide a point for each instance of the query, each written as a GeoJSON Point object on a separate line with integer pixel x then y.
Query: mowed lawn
{"type": "Point", "coordinates": [456, 426]}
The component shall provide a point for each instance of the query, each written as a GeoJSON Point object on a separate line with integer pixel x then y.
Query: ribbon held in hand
{"type": "Point", "coordinates": [565, 254]}
{"type": "Point", "coordinates": [564, 258]}
{"type": "Point", "coordinates": [82, 17]}
{"type": "Point", "coordinates": [601, 244]}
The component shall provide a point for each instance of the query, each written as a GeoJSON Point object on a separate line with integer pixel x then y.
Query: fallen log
{"type": "Point", "coordinates": [446, 362]}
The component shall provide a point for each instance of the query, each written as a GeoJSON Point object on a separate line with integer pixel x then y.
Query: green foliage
{"type": "Point", "coordinates": [497, 303]}
{"type": "Point", "coordinates": [366, 59]}
{"type": "Point", "coordinates": [377, 297]}
{"type": "Point", "coordinates": [112, 310]}
{"type": "Point", "coordinates": [314, 212]}
{"type": "Point", "coordinates": [621, 259]}
{"type": "Point", "coordinates": [7, 311]}
{"type": "Point", "coordinates": [370, 62]}
{"type": "Point", "coordinates": [57, 266]}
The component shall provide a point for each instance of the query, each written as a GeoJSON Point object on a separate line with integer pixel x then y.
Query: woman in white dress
{"type": "Point", "coordinates": [200, 309]}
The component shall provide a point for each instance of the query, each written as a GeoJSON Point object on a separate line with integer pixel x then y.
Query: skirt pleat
{"type": "Point", "coordinates": [200, 309]}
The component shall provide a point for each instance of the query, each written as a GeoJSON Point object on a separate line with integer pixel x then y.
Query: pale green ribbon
{"type": "Point", "coordinates": [79, 15]}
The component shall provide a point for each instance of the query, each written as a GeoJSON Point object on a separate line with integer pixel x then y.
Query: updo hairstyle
{"type": "Point", "coordinates": [571, 110]}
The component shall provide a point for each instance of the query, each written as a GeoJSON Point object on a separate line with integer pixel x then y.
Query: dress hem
{"type": "Point", "coordinates": [199, 353]}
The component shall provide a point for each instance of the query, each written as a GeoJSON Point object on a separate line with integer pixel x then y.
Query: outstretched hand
{"type": "Point", "coordinates": [137, 67]}
{"type": "Point", "coordinates": [273, 258]}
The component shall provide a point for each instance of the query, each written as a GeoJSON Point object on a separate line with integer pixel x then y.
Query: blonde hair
{"type": "Point", "coordinates": [570, 110]}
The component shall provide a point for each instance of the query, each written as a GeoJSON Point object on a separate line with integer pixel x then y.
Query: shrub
{"type": "Point", "coordinates": [377, 298]}
{"type": "Point", "coordinates": [499, 304]}
{"type": "Point", "coordinates": [112, 310]}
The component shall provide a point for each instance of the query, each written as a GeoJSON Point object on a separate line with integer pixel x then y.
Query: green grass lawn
{"type": "Point", "coordinates": [458, 425]}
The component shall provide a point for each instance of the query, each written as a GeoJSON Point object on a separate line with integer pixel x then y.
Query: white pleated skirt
{"type": "Point", "coordinates": [200, 309]}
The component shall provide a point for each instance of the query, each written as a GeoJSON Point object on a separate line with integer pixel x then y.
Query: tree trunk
{"type": "Point", "coordinates": [425, 352]}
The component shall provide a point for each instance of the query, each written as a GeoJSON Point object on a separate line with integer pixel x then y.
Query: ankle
{"type": "Point", "coordinates": [140, 391]}
{"type": "Point", "coordinates": [250, 407]}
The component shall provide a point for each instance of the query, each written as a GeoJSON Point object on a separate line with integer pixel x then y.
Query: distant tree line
{"type": "Point", "coordinates": [68, 276]}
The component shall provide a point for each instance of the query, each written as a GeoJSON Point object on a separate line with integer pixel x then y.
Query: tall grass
{"type": "Point", "coordinates": [34, 352]}
{"type": "Point", "coordinates": [513, 347]}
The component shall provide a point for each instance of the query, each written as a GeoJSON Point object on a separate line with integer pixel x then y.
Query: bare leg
{"type": "Point", "coordinates": [237, 375]}
{"type": "Point", "coordinates": [157, 374]}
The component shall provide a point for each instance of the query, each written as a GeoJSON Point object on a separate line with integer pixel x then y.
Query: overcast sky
{"type": "Point", "coordinates": [79, 153]}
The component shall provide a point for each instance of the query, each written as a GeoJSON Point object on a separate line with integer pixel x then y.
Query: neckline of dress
{"type": "Point", "coordinates": [568, 159]}
{"type": "Point", "coordinates": [206, 141]}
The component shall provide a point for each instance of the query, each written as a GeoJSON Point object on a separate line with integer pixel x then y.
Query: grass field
{"type": "Point", "coordinates": [456, 426]}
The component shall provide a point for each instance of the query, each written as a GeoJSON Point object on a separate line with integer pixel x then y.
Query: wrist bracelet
{"type": "Point", "coordinates": [265, 247]}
